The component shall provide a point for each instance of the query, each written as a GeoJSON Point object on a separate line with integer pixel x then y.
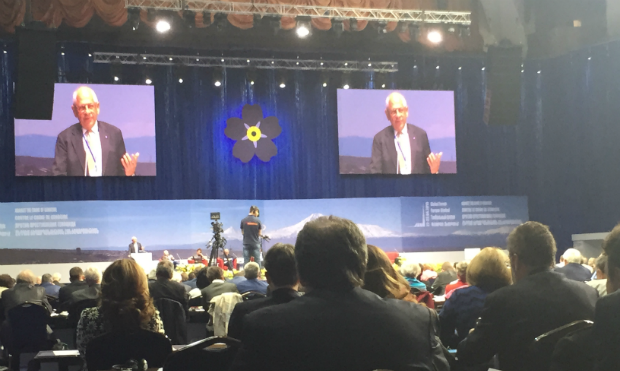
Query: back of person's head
{"type": "Point", "coordinates": [191, 276]}
{"type": "Point", "coordinates": [489, 270]}
{"type": "Point", "coordinates": [184, 277]}
{"type": "Point", "coordinates": [427, 267]}
{"type": "Point", "coordinates": [125, 300]}
{"type": "Point", "coordinates": [611, 247]}
{"type": "Point", "coordinates": [201, 278]}
{"type": "Point", "coordinates": [447, 266]}
{"type": "Point", "coordinates": [26, 276]}
{"type": "Point", "coordinates": [165, 269]}
{"type": "Point", "coordinates": [533, 244]}
{"type": "Point", "coordinates": [281, 266]}
{"type": "Point", "coordinates": [601, 266]}
{"type": "Point", "coordinates": [461, 270]}
{"type": "Point", "coordinates": [592, 262]}
{"type": "Point", "coordinates": [6, 281]}
{"type": "Point", "coordinates": [380, 276]}
{"type": "Point", "coordinates": [573, 256]}
{"type": "Point", "coordinates": [75, 274]}
{"type": "Point", "coordinates": [331, 253]}
{"type": "Point", "coordinates": [214, 273]}
{"type": "Point", "coordinates": [251, 271]}
{"type": "Point", "coordinates": [47, 278]}
{"type": "Point", "coordinates": [92, 275]}
{"type": "Point", "coordinates": [56, 277]}
{"type": "Point", "coordinates": [410, 268]}
{"type": "Point", "coordinates": [254, 209]}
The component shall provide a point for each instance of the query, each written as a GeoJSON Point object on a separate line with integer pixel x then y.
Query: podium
{"type": "Point", "coordinates": [144, 259]}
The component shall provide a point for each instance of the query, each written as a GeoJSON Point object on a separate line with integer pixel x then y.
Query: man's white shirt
{"type": "Point", "coordinates": [95, 147]}
{"type": "Point", "coordinates": [403, 151]}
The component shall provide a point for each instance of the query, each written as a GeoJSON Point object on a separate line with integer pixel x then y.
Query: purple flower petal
{"type": "Point", "coordinates": [270, 127]}
{"type": "Point", "coordinates": [266, 149]}
{"type": "Point", "coordinates": [244, 150]}
{"type": "Point", "coordinates": [234, 128]}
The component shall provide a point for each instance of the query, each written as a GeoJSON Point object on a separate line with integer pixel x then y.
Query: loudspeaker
{"type": "Point", "coordinates": [503, 91]}
{"type": "Point", "coordinates": [36, 73]}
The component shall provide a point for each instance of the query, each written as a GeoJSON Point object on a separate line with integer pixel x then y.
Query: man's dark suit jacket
{"type": "Point", "coordinates": [606, 332]}
{"type": "Point", "coordinates": [129, 249]}
{"type": "Point", "coordinates": [336, 330]}
{"type": "Point", "coordinates": [90, 292]}
{"type": "Point", "coordinates": [442, 280]}
{"type": "Point", "coordinates": [21, 293]}
{"type": "Point", "coordinates": [279, 296]}
{"type": "Point", "coordinates": [70, 157]}
{"type": "Point", "coordinates": [164, 288]}
{"type": "Point", "coordinates": [384, 156]}
{"type": "Point", "coordinates": [514, 315]}
{"type": "Point", "coordinates": [64, 294]}
{"type": "Point", "coordinates": [215, 289]}
{"type": "Point", "coordinates": [576, 272]}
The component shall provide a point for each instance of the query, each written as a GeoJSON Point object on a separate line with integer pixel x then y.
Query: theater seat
{"type": "Point", "coordinates": [216, 352]}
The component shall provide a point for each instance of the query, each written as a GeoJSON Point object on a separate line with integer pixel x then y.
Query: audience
{"type": "Point", "coordinates": [585, 264]}
{"type": "Point", "coordinates": [428, 273]}
{"type": "Point", "coordinates": [486, 273]}
{"type": "Point", "coordinates": [216, 287]}
{"type": "Point", "coordinates": [539, 301]}
{"type": "Point", "coordinates": [165, 288]}
{"type": "Point", "coordinates": [93, 280]}
{"type": "Point", "coordinates": [184, 277]}
{"type": "Point", "coordinates": [461, 273]}
{"type": "Point", "coordinates": [607, 321]}
{"type": "Point", "coordinates": [252, 282]}
{"type": "Point", "coordinates": [336, 325]}
{"type": "Point", "coordinates": [48, 284]}
{"type": "Point", "coordinates": [572, 269]}
{"type": "Point", "coordinates": [56, 277]}
{"type": "Point", "coordinates": [382, 279]}
{"type": "Point", "coordinates": [191, 280]}
{"type": "Point", "coordinates": [411, 270]}
{"type": "Point", "coordinates": [76, 277]}
{"type": "Point", "coordinates": [125, 305]}
{"type": "Point", "coordinates": [447, 275]}
{"type": "Point", "coordinates": [283, 281]}
{"type": "Point", "coordinates": [600, 283]}
{"type": "Point", "coordinates": [6, 282]}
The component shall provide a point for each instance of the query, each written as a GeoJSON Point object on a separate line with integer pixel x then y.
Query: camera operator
{"type": "Point", "coordinates": [251, 230]}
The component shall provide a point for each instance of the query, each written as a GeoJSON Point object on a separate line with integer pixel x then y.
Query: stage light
{"type": "Point", "coordinates": [338, 27]}
{"type": "Point", "coordinates": [382, 27]}
{"type": "Point", "coordinates": [274, 23]}
{"type": "Point", "coordinates": [464, 31]}
{"type": "Point", "coordinates": [189, 18]}
{"type": "Point", "coordinates": [414, 32]}
{"type": "Point", "coordinates": [133, 18]}
{"type": "Point", "coordinates": [217, 83]}
{"type": "Point", "coordinates": [116, 70]}
{"type": "Point", "coordinates": [251, 75]}
{"type": "Point", "coordinates": [434, 36]}
{"type": "Point", "coordinates": [346, 86]}
{"type": "Point", "coordinates": [148, 81]}
{"type": "Point", "coordinates": [219, 20]}
{"type": "Point", "coordinates": [180, 81]}
{"type": "Point", "coordinates": [89, 55]}
{"type": "Point", "coordinates": [218, 75]}
{"type": "Point", "coordinates": [403, 27]}
{"type": "Point", "coordinates": [382, 86]}
{"type": "Point", "coordinates": [282, 78]}
{"type": "Point", "coordinates": [251, 82]}
{"type": "Point", "coordinates": [206, 18]}
{"type": "Point", "coordinates": [162, 26]}
{"type": "Point", "coordinates": [324, 84]}
{"type": "Point", "coordinates": [303, 27]}
{"type": "Point", "coordinates": [353, 24]}
{"type": "Point", "coordinates": [282, 85]}
{"type": "Point", "coordinates": [116, 78]}
{"type": "Point", "coordinates": [150, 15]}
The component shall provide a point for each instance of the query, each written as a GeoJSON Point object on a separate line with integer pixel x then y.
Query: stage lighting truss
{"type": "Point", "coordinates": [259, 63]}
{"type": "Point", "coordinates": [313, 11]}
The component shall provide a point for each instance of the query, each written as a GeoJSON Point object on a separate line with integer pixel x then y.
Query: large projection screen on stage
{"type": "Point", "coordinates": [95, 130]}
{"type": "Point", "coordinates": [396, 132]}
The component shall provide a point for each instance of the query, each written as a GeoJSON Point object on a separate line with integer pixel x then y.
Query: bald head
{"type": "Point", "coordinates": [396, 111]}
{"type": "Point", "coordinates": [85, 106]}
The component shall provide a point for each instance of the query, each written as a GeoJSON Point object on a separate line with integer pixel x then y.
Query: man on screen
{"type": "Point", "coordinates": [91, 147]}
{"type": "Point", "coordinates": [402, 148]}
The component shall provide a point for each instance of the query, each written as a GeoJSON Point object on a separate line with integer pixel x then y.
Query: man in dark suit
{"type": "Point", "coordinates": [402, 148]}
{"type": "Point", "coordinates": [165, 288]}
{"type": "Point", "coordinates": [47, 282]}
{"type": "Point", "coordinates": [215, 275]}
{"type": "Point", "coordinates": [282, 277]}
{"type": "Point", "coordinates": [91, 147]}
{"type": "Point", "coordinates": [573, 270]}
{"type": "Point", "coordinates": [76, 277]}
{"type": "Point", "coordinates": [92, 291]}
{"type": "Point", "coordinates": [336, 325]}
{"type": "Point", "coordinates": [447, 275]}
{"type": "Point", "coordinates": [135, 246]}
{"type": "Point", "coordinates": [540, 300]}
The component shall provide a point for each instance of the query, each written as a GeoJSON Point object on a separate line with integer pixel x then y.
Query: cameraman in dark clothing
{"type": "Point", "coordinates": [251, 230]}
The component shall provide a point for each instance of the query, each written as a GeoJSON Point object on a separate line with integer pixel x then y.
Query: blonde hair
{"type": "Point", "coordinates": [489, 269]}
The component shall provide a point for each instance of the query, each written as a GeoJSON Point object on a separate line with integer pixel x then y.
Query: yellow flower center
{"type": "Point", "coordinates": [254, 134]}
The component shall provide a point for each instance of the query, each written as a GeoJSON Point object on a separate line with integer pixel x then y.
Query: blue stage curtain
{"type": "Point", "coordinates": [563, 154]}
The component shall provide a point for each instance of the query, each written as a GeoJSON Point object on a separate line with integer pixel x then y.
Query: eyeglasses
{"type": "Point", "coordinates": [84, 107]}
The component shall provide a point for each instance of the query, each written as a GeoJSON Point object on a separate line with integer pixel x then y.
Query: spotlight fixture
{"type": "Point", "coordinates": [346, 80]}
{"type": "Point", "coordinates": [219, 20]}
{"type": "Point", "coordinates": [434, 36]}
{"type": "Point", "coordinates": [251, 75]}
{"type": "Point", "coordinates": [133, 18]}
{"type": "Point", "coordinates": [324, 84]}
{"type": "Point", "coordinates": [414, 32]}
{"type": "Point", "coordinates": [150, 15]}
{"type": "Point", "coordinates": [163, 26]}
{"type": "Point", "coordinates": [189, 18]}
{"type": "Point", "coordinates": [303, 27]}
{"type": "Point", "coordinates": [217, 77]}
{"type": "Point", "coordinates": [148, 81]}
{"type": "Point", "coordinates": [345, 86]}
{"type": "Point", "coordinates": [281, 78]}
{"type": "Point", "coordinates": [338, 27]}
{"type": "Point", "coordinates": [275, 24]}
{"type": "Point", "coordinates": [206, 18]}
{"type": "Point", "coordinates": [180, 81]}
{"type": "Point", "coordinates": [382, 27]}
{"type": "Point", "coordinates": [353, 24]}
{"type": "Point", "coordinates": [116, 78]}
{"type": "Point", "coordinates": [282, 85]}
{"type": "Point", "coordinates": [403, 27]}
{"type": "Point", "coordinates": [116, 70]}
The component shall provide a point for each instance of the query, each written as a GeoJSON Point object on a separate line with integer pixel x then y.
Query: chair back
{"type": "Point", "coordinates": [251, 295]}
{"type": "Point", "coordinates": [542, 346]}
{"type": "Point", "coordinates": [119, 347]}
{"type": "Point", "coordinates": [424, 297]}
{"type": "Point", "coordinates": [75, 310]}
{"type": "Point", "coordinates": [172, 315]}
{"type": "Point", "coordinates": [213, 353]}
{"type": "Point", "coordinates": [28, 327]}
{"type": "Point", "coordinates": [53, 300]}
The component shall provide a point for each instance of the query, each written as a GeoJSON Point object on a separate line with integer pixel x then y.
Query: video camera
{"type": "Point", "coordinates": [217, 226]}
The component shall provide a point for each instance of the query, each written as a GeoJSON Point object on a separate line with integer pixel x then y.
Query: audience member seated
{"type": "Point", "coordinates": [56, 277]}
{"type": "Point", "coordinates": [48, 284]}
{"type": "Point", "coordinates": [411, 270]}
{"type": "Point", "coordinates": [539, 301]}
{"type": "Point", "coordinates": [486, 273]}
{"type": "Point", "coordinates": [283, 281]}
{"type": "Point", "coordinates": [6, 282]}
{"type": "Point", "coordinates": [184, 277]}
{"type": "Point", "coordinates": [239, 277]}
{"type": "Point", "coordinates": [607, 321]}
{"type": "Point", "coordinates": [428, 273]}
{"type": "Point", "coordinates": [76, 277]}
{"type": "Point", "coordinates": [165, 288]}
{"type": "Point", "coordinates": [252, 281]}
{"type": "Point", "coordinates": [447, 275]}
{"type": "Point", "coordinates": [600, 283]}
{"type": "Point", "coordinates": [461, 281]}
{"type": "Point", "coordinates": [215, 275]}
{"type": "Point", "coordinates": [93, 290]}
{"type": "Point", "coordinates": [572, 269]}
{"type": "Point", "coordinates": [191, 280]}
{"type": "Point", "coordinates": [336, 325]}
{"type": "Point", "coordinates": [125, 305]}
{"type": "Point", "coordinates": [382, 279]}
{"type": "Point", "coordinates": [228, 259]}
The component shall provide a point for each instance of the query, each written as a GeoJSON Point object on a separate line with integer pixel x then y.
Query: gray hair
{"type": "Point", "coordinates": [461, 269]}
{"type": "Point", "coordinates": [86, 88]}
{"type": "Point", "coordinates": [164, 269]}
{"type": "Point", "coordinates": [410, 269]}
{"type": "Point", "coordinates": [92, 275]}
{"type": "Point", "coordinates": [56, 276]}
{"type": "Point", "coordinates": [26, 276]}
{"type": "Point", "coordinates": [46, 278]}
{"type": "Point", "coordinates": [572, 256]}
{"type": "Point", "coordinates": [251, 270]}
{"type": "Point", "coordinates": [394, 94]}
